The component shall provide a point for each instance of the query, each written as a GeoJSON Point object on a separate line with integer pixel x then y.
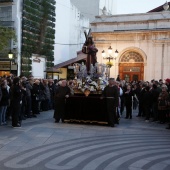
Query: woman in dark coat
{"type": "Point", "coordinates": [147, 103]}
{"type": "Point", "coordinates": [163, 104]}
{"type": "Point", "coordinates": [45, 104]}
{"type": "Point", "coordinates": [4, 103]}
{"type": "Point", "coordinates": [62, 92]}
{"type": "Point", "coordinates": [128, 102]}
{"type": "Point", "coordinates": [16, 102]}
{"type": "Point", "coordinates": [36, 90]}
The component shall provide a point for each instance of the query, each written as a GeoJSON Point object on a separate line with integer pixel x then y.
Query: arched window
{"type": "Point", "coordinates": [131, 57]}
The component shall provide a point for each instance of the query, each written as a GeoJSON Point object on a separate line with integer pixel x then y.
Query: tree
{"type": "Point", "coordinates": [6, 34]}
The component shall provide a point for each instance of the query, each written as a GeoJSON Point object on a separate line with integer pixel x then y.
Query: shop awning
{"type": "Point", "coordinates": [56, 69]}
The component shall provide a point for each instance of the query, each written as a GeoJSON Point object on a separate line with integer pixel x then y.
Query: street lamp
{"type": "Point", "coordinates": [10, 56]}
{"type": "Point", "coordinates": [109, 57]}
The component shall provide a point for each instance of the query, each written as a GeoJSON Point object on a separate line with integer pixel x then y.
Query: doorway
{"type": "Point", "coordinates": [131, 66]}
{"type": "Point", "coordinates": [131, 71]}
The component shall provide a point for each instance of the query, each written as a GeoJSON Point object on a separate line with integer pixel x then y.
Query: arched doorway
{"type": "Point", "coordinates": [131, 66]}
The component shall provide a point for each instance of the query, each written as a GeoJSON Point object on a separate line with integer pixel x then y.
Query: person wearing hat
{"type": "Point", "coordinates": [111, 93]}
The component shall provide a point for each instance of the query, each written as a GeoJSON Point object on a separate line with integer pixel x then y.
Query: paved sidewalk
{"type": "Point", "coordinates": [41, 144]}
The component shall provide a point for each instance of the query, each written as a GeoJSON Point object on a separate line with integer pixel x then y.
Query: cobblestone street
{"type": "Point", "coordinates": [41, 144]}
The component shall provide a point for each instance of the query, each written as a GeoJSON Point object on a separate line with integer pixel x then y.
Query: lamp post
{"type": "Point", "coordinates": [109, 57]}
{"type": "Point", "coordinates": [10, 56]}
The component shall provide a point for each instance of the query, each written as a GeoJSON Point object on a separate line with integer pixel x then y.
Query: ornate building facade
{"type": "Point", "coordinates": [142, 40]}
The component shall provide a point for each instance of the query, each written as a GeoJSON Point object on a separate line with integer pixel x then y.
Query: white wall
{"type": "Point", "coordinates": [89, 8]}
{"type": "Point", "coordinates": [61, 52]}
{"type": "Point", "coordinates": [78, 24]}
{"type": "Point", "coordinates": [69, 30]}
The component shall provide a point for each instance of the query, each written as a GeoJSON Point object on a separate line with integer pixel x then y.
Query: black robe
{"type": "Point", "coordinates": [112, 98]}
{"type": "Point", "coordinates": [59, 98]}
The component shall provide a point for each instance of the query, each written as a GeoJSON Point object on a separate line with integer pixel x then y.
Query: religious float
{"type": "Point", "coordinates": [90, 80]}
{"type": "Point", "coordinates": [91, 77]}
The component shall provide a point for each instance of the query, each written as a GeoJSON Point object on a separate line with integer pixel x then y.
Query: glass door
{"type": "Point", "coordinates": [127, 77]}
{"type": "Point", "coordinates": [135, 77]}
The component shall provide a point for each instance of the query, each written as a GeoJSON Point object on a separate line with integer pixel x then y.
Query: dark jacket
{"type": "Point", "coordinates": [141, 95]}
{"type": "Point", "coordinates": [147, 99]}
{"type": "Point", "coordinates": [46, 92]}
{"type": "Point", "coordinates": [28, 89]}
{"type": "Point", "coordinates": [16, 94]}
{"type": "Point", "coordinates": [112, 92]}
{"type": "Point", "coordinates": [0, 94]}
{"type": "Point", "coordinates": [155, 94]}
{"type": "Point", "coordinates": [5, 97]}
{"type": "Point", "coordinates": [36, 90]}
{"type": "Point", "coordinates": [128, 97]}
{"type": "Point", "coordinates": [52, 88]}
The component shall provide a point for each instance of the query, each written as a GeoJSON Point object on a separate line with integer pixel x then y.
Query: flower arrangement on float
{"type": "Point", "coordinates": [94, 86]}
{"type": "Point", "coordinates": [109, 64]}
{"type": "Point", "coordinates": [93, 82]}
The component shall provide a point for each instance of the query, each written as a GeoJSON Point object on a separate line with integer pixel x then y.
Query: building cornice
{"type": "Point", "coordinates": [154, 16]}
{"type": "Point", "coordinates": [137, 31]}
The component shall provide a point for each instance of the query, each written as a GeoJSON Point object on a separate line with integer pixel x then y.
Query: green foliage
{"type": "Point", "coordinates": [39, 28]}
{"type": "Point", "coordinates": [26, 61]}
{"type": "Point", "coordinates": [6, 34]}
{"type": "Point", "coordinates": [26, 68]}
{"type": "Point", "coordinates": [49, 64]}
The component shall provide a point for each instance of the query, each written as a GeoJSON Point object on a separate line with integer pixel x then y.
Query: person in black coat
{"type": "Point", "coordinates": [4, 103]}
{"type": "Point", "coordinates": [141, 100]}
{"type": "Point", "coordinates": [28, 110]}
{"type": "Point", "coordinates": [147, 103]}
{"type": "Point", "coordinates": [62, 92]}
{"type": "Point", "coordinates": [36, 91]}
{"type": "Point", "coordinates": [111, 93]}
{"type": "Point", "coordinates": [155, 94]}
{"type": "Point", "coordinates": [16, 102]}
{"type": "Point", "coordinates": [128, 101]}
{"type": "Point", "coordinates": [52, 88]}
{"type": "Point", "coordinates": [24, 102]}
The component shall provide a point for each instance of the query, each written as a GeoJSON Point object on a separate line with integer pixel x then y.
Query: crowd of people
{"type": "Point", "coordinates": [152, 99]}
{"type": "Point", "coordinates": [22, 98]}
